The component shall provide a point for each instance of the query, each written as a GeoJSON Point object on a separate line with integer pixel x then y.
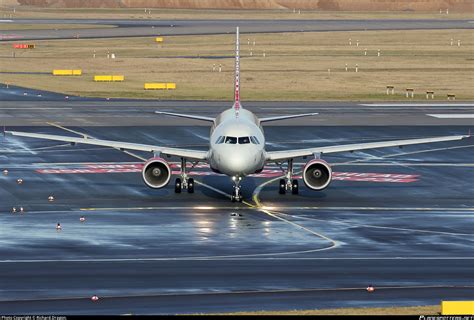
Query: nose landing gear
{"type": "Point", "coordinates": [184, 182]}
{"type": "Point", "coordinates": [288, 183]}
{"type": "Point", "coordinates": [236, 193]}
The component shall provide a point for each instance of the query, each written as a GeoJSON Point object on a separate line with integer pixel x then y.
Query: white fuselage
{"type": "Point", "coordinates": [237, 144]}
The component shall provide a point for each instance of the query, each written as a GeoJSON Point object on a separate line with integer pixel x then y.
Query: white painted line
{"type": "Point", "coordinates": [24, 109]}
{"type": "Point", "coordinates": [1, 21]}
{"type": "Point", "coordinates": [417, 104]}
{"type": "Point", "coordinates": [225, 258]}
{"type": "Point", "coordinates": [453, 116]}
{"type": "Point", "coordinates": [409, 164]}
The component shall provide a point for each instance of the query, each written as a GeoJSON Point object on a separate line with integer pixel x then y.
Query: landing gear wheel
{"type": "Point", "coordinates": [190, 185]}
{"type": "Point", "coordinates": [236, 194]}
{"type": "Point", "coordinates": [294, 186]}
{"type": "Point", "coordinates": [177, 185]}
{"type": "Point", "coordinates": [282, 189]}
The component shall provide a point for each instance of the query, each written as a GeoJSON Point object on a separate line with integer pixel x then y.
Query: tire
{"type": "Point", "coordinates": [177, 185]}
{"type": "Point", "coordinates": [190, 185]}
{"type": "Point", "coordinates": [282, 188]}
{"type": "Point", "coordinates": [232, 198]}
{"type": "Point", "coordinates": [294, 187]}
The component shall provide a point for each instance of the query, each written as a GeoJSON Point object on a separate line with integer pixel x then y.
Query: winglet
{"type": "Point", "coordinates": [237, 74]}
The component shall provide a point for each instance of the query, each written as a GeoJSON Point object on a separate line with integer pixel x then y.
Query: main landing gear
{"type": "Point", "coordinates": [184, 182]}
{"type": "Point", "coordinates": [288, 184]}
{"type": "Point", "coordinates": [236, 193]}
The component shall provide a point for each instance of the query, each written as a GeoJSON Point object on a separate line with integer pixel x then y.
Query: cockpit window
{"type": "Point", "coordinates": [244, 140]}
{"type": "Point", "coordinates": [254, 140]}
{"type": "Point", "coordinates": [220, 140]}
{"type": "Point", "coordinates": [230, 140]}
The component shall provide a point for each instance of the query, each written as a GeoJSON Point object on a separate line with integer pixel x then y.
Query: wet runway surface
{"type": "Point", "coordinates": [399, 219]}
{"type": "Point", "coordinates": [141, 28]}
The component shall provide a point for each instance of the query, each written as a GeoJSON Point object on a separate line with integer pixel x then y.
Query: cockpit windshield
{"type": "Point", "coordinates": [244, 140]}
{"type": "Point", "coordinates": [230, 140]}
{"type": "Point", "coordinates": [254, 140]}
{"type": "Point", "coordinates": [235, 140]}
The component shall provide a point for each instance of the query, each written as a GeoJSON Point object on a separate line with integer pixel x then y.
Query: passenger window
{"type": "Point", "coordinates": [254, 140]}
{"type": "Point", "coordinates": [230, 140]}
{"type": "Point", "coordinates": [244, 140]}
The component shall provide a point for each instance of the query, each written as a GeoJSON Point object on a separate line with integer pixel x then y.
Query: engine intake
{"type": "Point", "coordinates": [317, 174]}
{"type": "Point", "coordinates": [156, 173]}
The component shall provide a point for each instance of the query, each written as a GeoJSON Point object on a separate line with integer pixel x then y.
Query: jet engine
{"type": "Point", "coordinates": [317, 174]}
{"type": "Point", "coordinates": [156, 173]}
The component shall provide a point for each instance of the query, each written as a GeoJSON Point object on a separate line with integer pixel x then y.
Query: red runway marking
{"type": "Point", "coordinates": [266, 173]}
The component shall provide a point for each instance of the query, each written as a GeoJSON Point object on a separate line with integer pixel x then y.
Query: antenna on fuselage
{"type": "Point", "coordinates": [237, 74]}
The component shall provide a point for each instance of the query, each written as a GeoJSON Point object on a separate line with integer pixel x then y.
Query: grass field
{"type": "Point", "coordinates": [295, 66]}
{"type": "Point", "coordinates": [137, 13]}
{"type": "Point", "coordinates": [422, 310]}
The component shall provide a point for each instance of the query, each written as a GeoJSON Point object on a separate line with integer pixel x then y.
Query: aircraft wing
{"type": "Point", "coordinates": [188, 116]}
{"type": "Point", "coordinates": [186, 153]}
{"type": "Point", "coordinates": [289, 154]}
{"type": "Point", "coordinates": [287, 117]}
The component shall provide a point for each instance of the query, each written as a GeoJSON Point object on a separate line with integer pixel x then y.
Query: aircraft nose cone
{"type": "Point", "coordinates": [238, 163]}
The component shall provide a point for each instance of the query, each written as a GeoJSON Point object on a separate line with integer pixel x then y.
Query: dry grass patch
{"type": "Point", "coordinates": [156, 13]}
{"type": "Point", "coordinates": [295, 66]}
{"type": "Point", "coordinates": [421, 310]}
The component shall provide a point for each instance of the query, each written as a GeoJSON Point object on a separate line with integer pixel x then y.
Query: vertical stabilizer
{"type": "Point", "coordinates": [237, 74]}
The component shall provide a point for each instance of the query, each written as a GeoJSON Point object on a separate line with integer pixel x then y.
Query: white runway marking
{"type": "Point", "coordinates": [409, 164]}
{"type": "Point", "coordinates": [435, 209]}
{"type": "Point", "coordinates": [21, 109]}
{"type": "Point", "coordinates": [379, 227]}
{"type": "Point", "coordinates": [230, 258]}
{"type": "Point", "coordinates": [405, 153]}
{"type": "Point", "coordinates": [453, 116]}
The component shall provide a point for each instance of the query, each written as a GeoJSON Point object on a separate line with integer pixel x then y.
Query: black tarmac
{"type": "Point", "coordinates": [398, 219]}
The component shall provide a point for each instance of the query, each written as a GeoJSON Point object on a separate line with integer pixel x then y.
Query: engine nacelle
{"type": "Point", "coordinates": [156, 173]}
{"type": "Point", "coordinates": [317, 174]}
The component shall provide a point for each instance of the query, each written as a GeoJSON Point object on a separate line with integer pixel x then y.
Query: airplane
{"type": "Point", "coordinates": [237, 149]}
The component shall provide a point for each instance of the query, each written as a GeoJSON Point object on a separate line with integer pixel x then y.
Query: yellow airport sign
{"type": "Point", "coordinates": [457, 308]}
{"type": "Point", "coordinates": [67, 72]}
{"type": "Point", "coordinates": [159, 39]}
{"type": "Point", "coordinates": [108, 78]}
{"type": "Point", "coordinates": [160, 86]}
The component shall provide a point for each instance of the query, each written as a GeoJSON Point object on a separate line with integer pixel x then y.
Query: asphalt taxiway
{"type": "Point", "coordinates": [142, 28]}
{"type": "Point", "coordinates": [399, 219]}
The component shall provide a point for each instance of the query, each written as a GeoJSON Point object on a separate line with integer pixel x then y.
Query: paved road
{"type": "Point", "coordinates": [140, 28]}
{"type": "Point", "coordinates": [401, 220]}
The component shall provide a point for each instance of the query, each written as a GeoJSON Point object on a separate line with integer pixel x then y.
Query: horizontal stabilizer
{"type": "Point", "coordinates": [287, 117]}
{"type": "Point", "coordinates": [188, 116]}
